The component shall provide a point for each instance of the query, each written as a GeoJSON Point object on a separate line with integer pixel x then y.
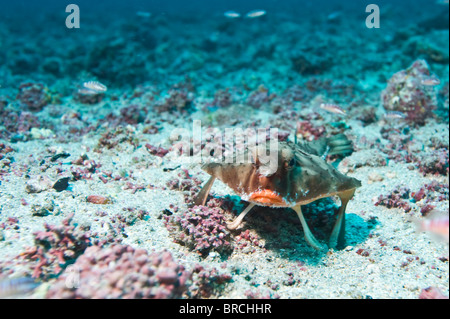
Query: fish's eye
{"type": "Point", "coordinates": [290, 164]}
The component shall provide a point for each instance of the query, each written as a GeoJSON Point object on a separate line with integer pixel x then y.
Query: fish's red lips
{"type": "Point", "coordinates": [267, 197]}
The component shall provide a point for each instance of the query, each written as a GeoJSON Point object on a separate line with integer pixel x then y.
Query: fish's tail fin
{"type": "Point", "coordinates": [338, 145]}
{"type": "Point", "coordinates": [334, 145]}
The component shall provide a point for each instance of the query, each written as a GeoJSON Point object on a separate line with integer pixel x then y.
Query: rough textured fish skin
{"type": "Point", "coordinates": [302, 175]}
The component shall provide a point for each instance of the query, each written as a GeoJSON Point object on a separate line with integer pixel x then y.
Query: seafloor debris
{"type": "Point", "coordinates": [201, 228]}
{"type": "Point", "coordinates": [407, 93]}
{"type": "Point", "coordinates": [122, 271]}
{"type": "Point", "coordinates": [35, 96]}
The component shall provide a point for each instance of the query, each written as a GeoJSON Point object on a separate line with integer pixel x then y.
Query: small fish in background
{"type": "Point", "coordinates": [143, 14]}
{"type": "Point", "coordinates": [16, 287]}
{"type": "Point", "coordinates": [255, 14]}
{"type": "Point", "coordinates": [431, 81]}
{"type": "Point", "coordinates": [332, 108]}
{"type": "Point", "coordinates": [394, 115]}
{"type": "Point", "coordinates": [436, 224]}
{"type": "Point", "coordinates": [334, 15]}
{"type": "Point", "coordinates": [232, 14]}
{"type": "Point", "coordinates": [95, 86]}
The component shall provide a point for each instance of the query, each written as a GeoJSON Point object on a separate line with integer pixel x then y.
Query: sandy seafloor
{"type": "Point", "coordinates": [385, 256]}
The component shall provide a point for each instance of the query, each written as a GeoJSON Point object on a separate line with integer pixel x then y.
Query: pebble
{"type": "Point", "coordinates": [61, 184]}
{"type": "Point", "coordinates": [38, 184]}
{"type": "Point", "coordinates": [390, 174]}
{"type": "Point", "coordinates": [97, 199]}
{"type": "Point", "coordinates": [374, 177]}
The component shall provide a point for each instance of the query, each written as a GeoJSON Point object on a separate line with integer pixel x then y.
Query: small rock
{"type": "Point", "coordinates": [97, 199]}
{"type": "Point", "coordinates": [390, 174]}
{"type": "Point", "coordinates": [41, 133]}
{"type": "Point", "coordinates": [55, 157]}
{"type": "Point", "coordinates": [18, 138]}
{"type": "Point", "coordinates": [61, 184]}
{"type": "Point", "coordinates": [38, 210]}
{"type": "Point", "coordinates": [38, 184]}
{"type": "Point", "coordinates": [374, 177]}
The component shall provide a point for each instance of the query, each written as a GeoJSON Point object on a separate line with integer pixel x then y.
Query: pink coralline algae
{"type": "Point", "coordinates": [433, 192]}
{"type": "Point", "coordinates": [88, 98]}
{"type": "Point", "coordinates": [87, 169]}
{"type": "Point", "coordinates": [18, 122]}
{"type": "Point", "coordinates": [201, 229]}
{"type": "Point", "coordinates": [4, 149]}
{"type": "Point", "coordinates": [56, 247]}
{"type": "Point", "coordinates": [222, 98]}
{"type": "Point", "coordinates": [130, 115]}
{"type": "Point", "coordinates": [187, 184]}
{"type": "Point", "coordinates": [306, 131]}
{"type": "Point", "coordinates": [400, 197]}
{"type": "Point", "coordinates": [207, 281]}
{"type": "Point", "coordinates": [259, 97]}
{"type": "Point", "coordinates": [33, 95]}
{"type": "Point", "coordinates": [121, 271]}
{"type": "Point", "coordinates": [157, 151]}
{"type": "Point", "coordinates": [247, 241]}
{"type": "Point", "coordinates": [401, 142]}
{"type": "Point", "coordinates": [114, 137]}
{"type": "Point", "coordinates": [444, 94]}
{"type": "Point", "coordinates": [406, 93]}
{"type": "Point", "coordinates": [396, 199]}
{"type": "Point", "coordinates": [261, 294]}
{"type": "Point", "coordinates": [176, 100]}
{"type": "Point", "coordinates": [435, 162]}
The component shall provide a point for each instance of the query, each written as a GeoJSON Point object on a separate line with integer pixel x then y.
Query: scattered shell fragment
{"type": "Point", "coordinates": [97, 199]}
{"type": "Point", "coordinates": [390, 174]}
{"type": "Point", "coordinates": [374, 177]}
{"type": "Point", "coordinates": [38, 184]}
{"type": "Point", "coordinates": [41, 133]}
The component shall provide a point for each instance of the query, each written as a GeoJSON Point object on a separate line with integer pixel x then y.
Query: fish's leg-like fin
{"type": "Point", "coordinates": [309, 237]}
{"type": "Point", "coordinates": [338, 233]}
{"type": "Point", "coordinates": [200, 199]}
{"type": "Point", "coordinates": [235, 223]}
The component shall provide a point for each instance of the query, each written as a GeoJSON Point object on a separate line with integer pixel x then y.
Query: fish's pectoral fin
{"type": "Point", "coordinates": [337, 237]}
{"type": "Point", "coordinates": [235, 223]}
{"type": "Point", "coordinates": [201, 197]}
{"type": "Point", "coordinates": [309, 237]}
